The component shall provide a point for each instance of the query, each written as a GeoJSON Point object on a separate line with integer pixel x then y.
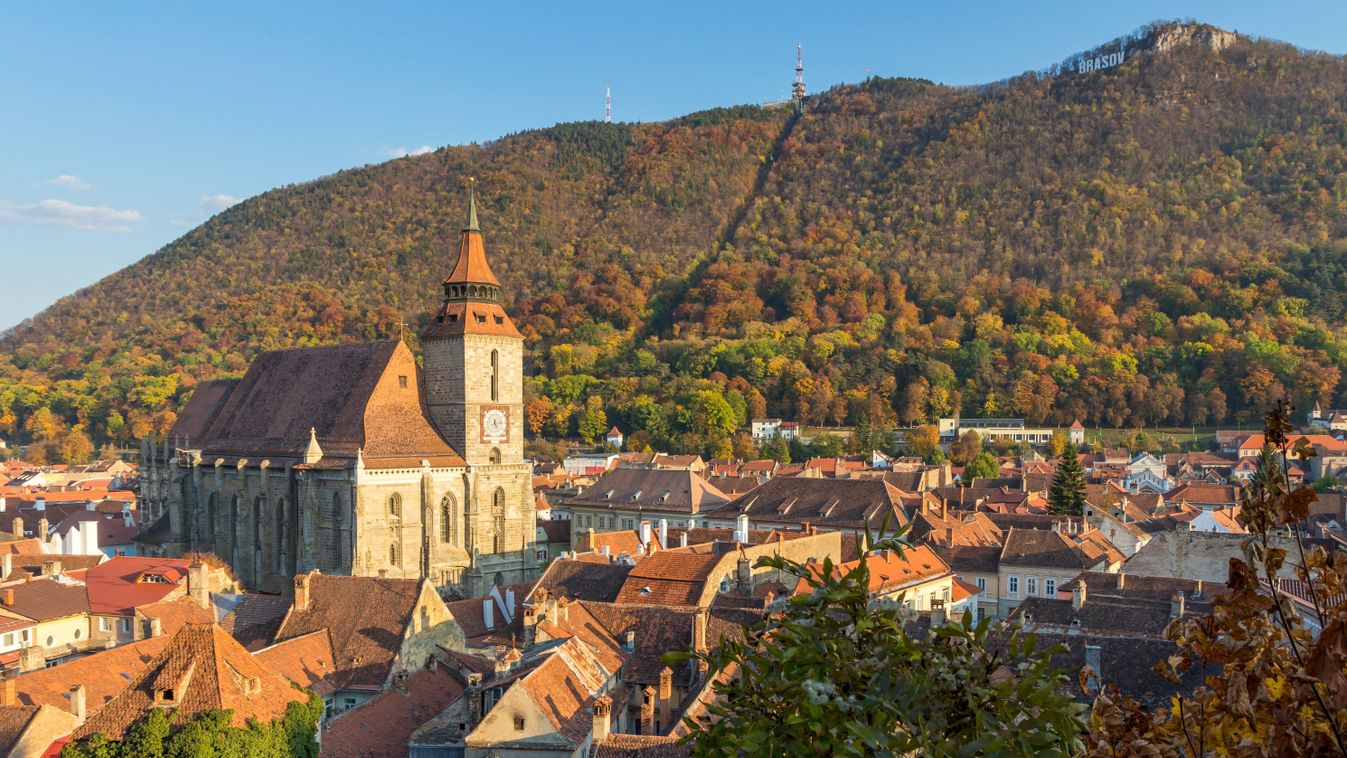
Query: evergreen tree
{"type": "Point", "coordinates": [1066, 494]}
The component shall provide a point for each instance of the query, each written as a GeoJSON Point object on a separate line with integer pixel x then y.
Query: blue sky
{"type": "Point", "coordinates": [122, 125]}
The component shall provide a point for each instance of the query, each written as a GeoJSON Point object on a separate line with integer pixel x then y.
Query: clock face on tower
{"type": "Point", "coordinates": [495, 424]}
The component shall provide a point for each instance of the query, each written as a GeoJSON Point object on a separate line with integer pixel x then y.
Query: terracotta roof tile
{"type": "Point", "coordinates": [103, 674]}
{"type": "Point", "coordinates": [381, 727]}
{"type": "Point", "coordinates": [255, 619]}
{"type": "Point", "coordinates": [305, 660]}
{"type": "Point", "coordinates": [668, 578]}
{"type": "Point", "coordinates": [14, 720]}
{"type": "Point", "coordinates": [367, 618]}
{"type": "Point", "coordinates": [175, 613]}
{"type": "Point", "coordinates": [46, 599]}
{"type": "Point", "coordinates": [351, 394]}
{"type": "Point", "coordinates": [203, 669]}
{"type": "Point", "coordinates": [640, 746]}
{"type": "Point", "coordinates": [120, 584]}
{"type": "Point", "coordinates": [583, 580]}
{"type": "Point", "coordinates": [831, 503]}
{"type": "Point", "coordinates": [676, 491]}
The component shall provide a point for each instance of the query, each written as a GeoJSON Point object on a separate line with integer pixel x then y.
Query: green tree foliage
{"type": "Point", "coordinates": [984, 466]}
{"type": "Point", "coordinates": [968, 446]}
{"type": "Point", "coordinates": [835, 672]}
{"type": "Point", "coordinates": [776, 449]}
{"type": "Point", "coordinates": [593, 422]}
{"type": "Point", "coordinates": [1054, 246]}
{"type": "Point", "coordinates": [211, 735]}
{"type": "Point", "coordinates": [923, 441]}
{"type": "Point", "coordinates": [1066, 491]}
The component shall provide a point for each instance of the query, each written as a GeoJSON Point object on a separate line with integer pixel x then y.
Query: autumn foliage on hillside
{"type": "Point", "coordinates": [1155, 243]}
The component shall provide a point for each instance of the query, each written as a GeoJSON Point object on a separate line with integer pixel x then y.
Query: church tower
{"type": "Point", "coordinates": [474, 380]}
{"type": "Point", "coordinates": [474, 360]}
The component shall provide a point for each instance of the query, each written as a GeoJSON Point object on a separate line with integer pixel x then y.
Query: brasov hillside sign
{"type": "Point", "coordinates": [1086, 65]}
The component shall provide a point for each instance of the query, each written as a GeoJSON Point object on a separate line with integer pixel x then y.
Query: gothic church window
{"type": "Point", "coordinates": [257, 523]}
{"type": "Point", "coordinates": [494, 457]}
{"type": "Point", "coordinates": [393, 554]}
{"type": "Point", "coordinates": [498, 521]}
{"type": "Point", "coordinates": [334, 546]}
{"type": "Point", "coordinates": [495, 375]}
{"type": "Point", "coordinates": [395, 505]}
{"type": "Point", "coordinates": [447, 519]}
{"type": "Point", "coordinates": [280, 535]}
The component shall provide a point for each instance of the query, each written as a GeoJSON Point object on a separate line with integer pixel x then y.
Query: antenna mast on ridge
{"type": "Point", "coordinates": [608, 104]}
{"type": "Point", "coordinates": [798, 91]}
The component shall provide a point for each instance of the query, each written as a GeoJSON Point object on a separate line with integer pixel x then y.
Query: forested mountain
{"type": "Point", "coordinates": [1158, 242]}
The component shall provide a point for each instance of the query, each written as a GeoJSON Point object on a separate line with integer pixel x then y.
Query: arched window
{"type": "Point", "coordinates": [494, 456]}
{"type": "Point", "coordinates": [335, 545]}
{"type": "Point", "coordinates": [495, 375]}
{"type": "Point", "coordinates": [280, 535]}
{"type": "Point", "coordinates": [498, 521]}
{"type": "Point", "coordinates": [395, 505]}
{"type": "Point", "coordinates": [257, 523]}
{"type": "Point", "coordinates": [233, 529]}
{"type": "Point", "coordinates": [393, 553]}
{"type": "Point", "coordinates": [447, 519]}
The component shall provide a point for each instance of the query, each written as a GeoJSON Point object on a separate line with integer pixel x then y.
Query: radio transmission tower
{"type": "Point", "coordinates": [798, 91]}
{"type": "Point", "coordinates": [608, 105]}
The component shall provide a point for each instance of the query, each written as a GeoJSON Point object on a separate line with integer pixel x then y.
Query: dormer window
{"type": "Point", "coordinates": [165, 696]}
{"type": "Point", "coordinates": [453, 318]}
{"type": "Point", "coordinates": [500, 320]}
{"type": "Point", "coordinates": [480, 317]}
{"type": "Point", "coordinates": [148, 578]}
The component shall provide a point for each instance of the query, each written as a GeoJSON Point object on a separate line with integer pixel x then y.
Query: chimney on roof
{"type": "Point", "coordinates": [155, 628]}
{"type": "Point", "coordinates": [18, 528]}
{"type": "Point", "coordinates": [699, 631]}
{"type": "Point", "coordinates": [1122, 580]}
{"type": "Point", "coordinates": [645, 533]}
{"type": "Point", "coordinates": [530, 625]}
{"type": "Point", "coordinates": [604, 551]}
{"type": "Point", "coordinates": [744, 573]}
{"type": "Point", "coordinates": [663, 533]}
{"type": "Point", "coordinates": [602, 721]}
{"type": "Point", "coordinates": [8, 695]}
{"type": "Point", "coordinates": [1176, 605]}
{"type": "Point", "coordinates": [665, 698]}
{"type": "Point", "coordinates": [9, 595]}
{"type": "Point", "coordinates": [42, 527]}
{"type": "Point", "coordinates": [741, 534]}
{"type": "Point", "coordinates": [1078, 595]}
{"type": "Point", "coordinates": [198, 584]}
{"type": "Point", "coordinates": [488, 613]}
{"type": "Point", "coordinates": [630, 643]}
{"type": "Point", "coordinates": [51, 567]}
{"type": "Point", "coordinates": [1092, 659]}
{"type": "Point", "coordinates": [949, 535]}
{"type": "Point", "coordinates": [648, 710]}
{"type": "Point", "coordinates": [77, 703]}
{"type": "Point", "coordinates": [2, 503]}
{"type": "Point", "coordinates": [474, 697]}
{"type": "Point", "coordinates": [6, 565]}
{"type": "Point", "coordinates": [32, 658]}
{"type": "Point", "coordinates": [302, 587]}
{"type": "Point", "coordinates": [683, 539]}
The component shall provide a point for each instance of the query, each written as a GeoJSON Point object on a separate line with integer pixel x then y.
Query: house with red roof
{"type": "Point", "coordinates": [117, 587]}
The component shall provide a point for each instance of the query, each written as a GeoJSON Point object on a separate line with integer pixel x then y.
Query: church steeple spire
{"type": "Point", "coordinates": [472, 277]}
{"type": "Point", "coordinates": [472, 207]}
